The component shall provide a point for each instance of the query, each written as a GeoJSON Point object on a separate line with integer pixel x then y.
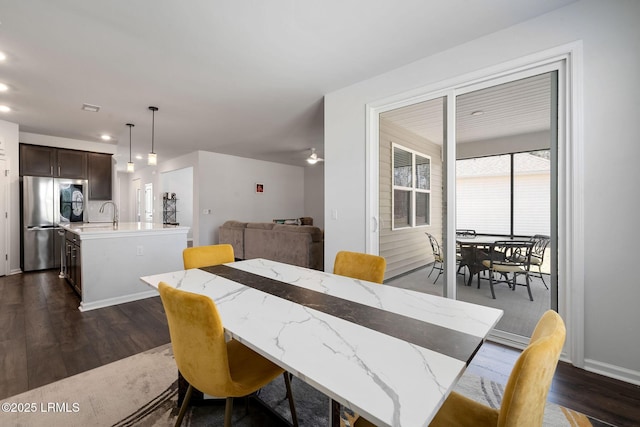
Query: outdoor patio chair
{"type": "Point", "coordinates": [510, 257]}
{"type": "Point", "coordinates": [540, 244]}
{"type": "Point", "coordinates": [438, 259]}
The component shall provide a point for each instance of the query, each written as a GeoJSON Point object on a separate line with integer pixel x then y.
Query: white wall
{"type": "Point", "coordinates": [610, 36]}
{"type": "Point", "coordinates": [225, 185]}
{"type": "Point", "coordinates": [314, 193]}
{"type": "Point", "coordinates": [180, 182]}
{"type": "Point", "coordinates": [10, 135]}
{"type": "Point", "coordinates": [228, 189]}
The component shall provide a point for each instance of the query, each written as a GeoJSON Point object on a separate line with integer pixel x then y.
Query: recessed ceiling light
{"type": "Point", "coordinates": [91, 108]}
{"type": "Point", "coordinates": [4, 109]}
{"type": "Point", "coordinates": [139, 156]}
{"type": "Point", "coordinates": [477, 113]}
{"type": "Point", "coordinates": [2, 56]}
{"type": "Point", "coordinates": [3, 87]}
{"type": "Point", "coordinates": [105, 137]}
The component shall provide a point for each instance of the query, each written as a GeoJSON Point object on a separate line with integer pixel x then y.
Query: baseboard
{"type": "Point", "coordinates": [612, 371]}
{"type": "Point", "coordinates": [118, 300]}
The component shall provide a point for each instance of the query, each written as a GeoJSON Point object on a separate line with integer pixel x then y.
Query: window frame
{"type": "Point", "coordinates": [413, 190]}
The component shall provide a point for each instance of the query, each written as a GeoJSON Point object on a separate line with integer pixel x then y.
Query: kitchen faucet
{"type": "Point", "coordinates": [115, 211]}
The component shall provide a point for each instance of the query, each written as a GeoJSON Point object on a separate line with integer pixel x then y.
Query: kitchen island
{"type": "Point", "coordinates": [104, 261]}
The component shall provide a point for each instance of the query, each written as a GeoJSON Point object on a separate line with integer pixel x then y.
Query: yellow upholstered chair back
{"type": "Point", "coordinates": [198, 341]}
{"type": "Point", "coordinates": [526, 392]}
{"type": "Point", "coordinates": [205, 256]}
{"type": "Point", "coordinates": [360, 266]}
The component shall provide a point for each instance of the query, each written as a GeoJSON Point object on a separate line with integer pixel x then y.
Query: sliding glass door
{"type": "Point", "coordinates": [490, 169]}
{"type": "Point", "coordinates": [506, 164]}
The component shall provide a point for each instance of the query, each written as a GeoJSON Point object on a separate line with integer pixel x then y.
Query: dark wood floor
{"type": "Point", "coordinates": [44, 338]}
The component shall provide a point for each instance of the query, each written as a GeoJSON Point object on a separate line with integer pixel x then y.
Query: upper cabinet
{"type": "Point", "coordinates": [99, 176]}
{"type": "Point", "coordinates": [37, 160]}
{"type": "Point", "coordinates": [70, 164]}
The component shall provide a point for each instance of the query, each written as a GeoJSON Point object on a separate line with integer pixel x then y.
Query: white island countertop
{"type": "Point", "coordinates": [107, 260]}
{"type": "Point", "coordinates": [87, 230]}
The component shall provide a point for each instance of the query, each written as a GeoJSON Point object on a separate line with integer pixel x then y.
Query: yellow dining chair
{"type": "Point", "coordinates": [206, 256]}
{"type": "Point", "coordinates": [206, 360]}
{"type": "Point", "coordinates": [526, 391]}
{"type": "Point", "coordinates": [360, 266]}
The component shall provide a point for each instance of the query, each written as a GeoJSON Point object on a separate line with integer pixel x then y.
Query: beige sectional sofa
{"type": "Point", "coordinates": [300, 245]}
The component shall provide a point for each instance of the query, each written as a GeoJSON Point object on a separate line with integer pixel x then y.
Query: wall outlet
{"type": "Point", "coordinates": [206, 211]}
{"type": "Point", "coordinates": [140, 251]}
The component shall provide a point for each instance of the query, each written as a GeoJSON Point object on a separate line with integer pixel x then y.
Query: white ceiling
{"type": "Point", "coordinates": [235, 77]}
{"type": "Point", "coordinates": [518, 107]}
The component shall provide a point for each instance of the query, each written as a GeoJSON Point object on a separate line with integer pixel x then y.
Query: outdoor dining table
{"type": "Point", "coordinates": [474, 250]}
{"type": "Point", "coordinates": [392, 355]}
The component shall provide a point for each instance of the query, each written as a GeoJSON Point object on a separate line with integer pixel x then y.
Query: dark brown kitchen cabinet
{"type": "Point", "coordinates": [100, 176]}
{"type": "Point", "coordinates": [71, 164]}
{"type": "Point", "coordinates": [73, 261]}
{"type": "Point", "coordinates": [36, 160]}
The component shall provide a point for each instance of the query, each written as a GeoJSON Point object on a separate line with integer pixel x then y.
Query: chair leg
{"type": "Point", "coordinates": [440, 269]}
{"type": "Point", "coordinates": [493, 294]}
{"type": "Point", "coordinates": [228, 410]}
{"type": "Point", "coordinates": [528, 280]}
{"type": "Point", "coordinates": [185, 404]}
{"type": "Point", "coordinates": [433, 266]}
{"type": "Point", "coordinates": [292, 406]}
{"type": "Point", "coordinates": [542, 277]}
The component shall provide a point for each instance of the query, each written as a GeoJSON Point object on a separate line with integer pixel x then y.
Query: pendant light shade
{"type": "Point", "coordinates": [130, 165]}
{"type": "Point", "coordinates": [152, 159]}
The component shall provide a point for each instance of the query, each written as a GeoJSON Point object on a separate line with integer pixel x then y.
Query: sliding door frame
{"type": "Point", "coordinates": [567, 61]}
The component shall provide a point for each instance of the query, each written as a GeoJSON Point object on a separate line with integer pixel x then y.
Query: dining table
{"type": "Point", "coordinates": [389, 354]}
{"type": "Point", "coordinates": [475, 249]}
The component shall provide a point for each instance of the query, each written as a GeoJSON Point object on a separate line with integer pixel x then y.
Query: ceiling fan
{"type": "Point", "coordinates": [313, 157]}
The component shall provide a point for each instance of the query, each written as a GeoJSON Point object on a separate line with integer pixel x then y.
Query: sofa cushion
{"type": "Point", "coordinates": [261, 225]}
{"type": "Point", "coordinates": [314, 232]}
{"type": "Point", "coordinates": [234, 224]}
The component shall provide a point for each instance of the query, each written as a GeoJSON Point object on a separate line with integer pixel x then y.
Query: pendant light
{"type": "Point", "coordinates": [152, 160]}
{"type": "Point", "coordinates": [130, 165]}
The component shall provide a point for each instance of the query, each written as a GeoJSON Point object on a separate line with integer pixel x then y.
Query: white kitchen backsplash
{"type": "Point", "coordinates": [94, 215]}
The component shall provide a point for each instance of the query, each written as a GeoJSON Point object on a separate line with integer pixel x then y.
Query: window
{"type": "Point", "coordinates": [507, 194]}
{"type": "Point", "coordinates": [411, 188]}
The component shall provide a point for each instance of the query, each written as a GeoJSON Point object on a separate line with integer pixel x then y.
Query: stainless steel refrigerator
{"type": "Point", "coordinates": [47, 202]}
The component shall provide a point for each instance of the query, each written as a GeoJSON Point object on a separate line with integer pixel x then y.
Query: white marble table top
{"type": "Point", "coordinates": [389, 381]}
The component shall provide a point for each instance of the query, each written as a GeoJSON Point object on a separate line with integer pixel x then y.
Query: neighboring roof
{"type": "Point", "coordinates": [525, 163]}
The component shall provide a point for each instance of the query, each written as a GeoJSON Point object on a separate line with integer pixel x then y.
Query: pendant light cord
{"type": "Point", "coordinates": [130, 126]}
{"type": "Point", "coordinates": [153, 126]}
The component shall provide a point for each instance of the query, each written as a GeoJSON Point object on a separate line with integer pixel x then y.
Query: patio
{"type": "Point", "coordinates": [520, 314]}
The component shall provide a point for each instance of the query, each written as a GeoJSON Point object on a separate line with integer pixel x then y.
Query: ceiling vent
{"type": "Point", "coordinates": [91, 108]}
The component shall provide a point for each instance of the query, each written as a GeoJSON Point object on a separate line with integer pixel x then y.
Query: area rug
{"type": "Point", "coordinates": [142, 391]}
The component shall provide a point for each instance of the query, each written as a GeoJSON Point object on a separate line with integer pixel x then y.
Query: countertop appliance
{"type": "Point", "coordinates": [47, 202]}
